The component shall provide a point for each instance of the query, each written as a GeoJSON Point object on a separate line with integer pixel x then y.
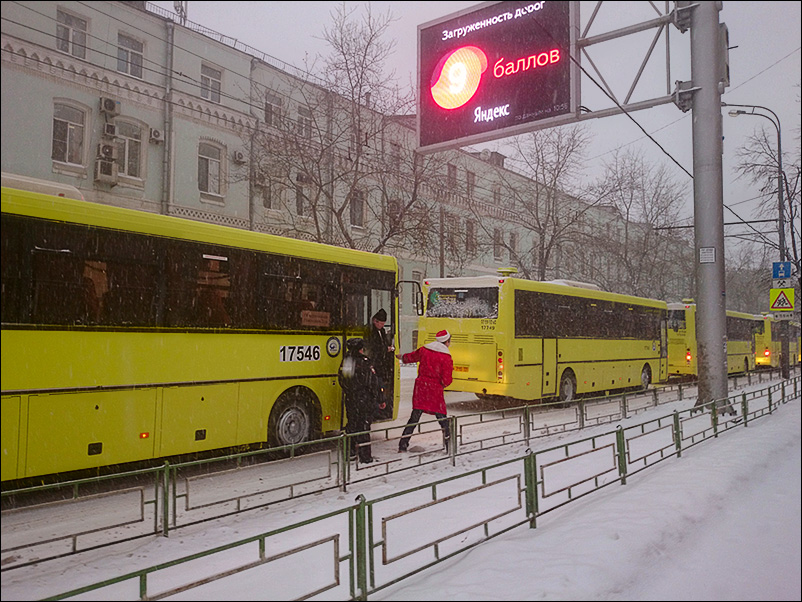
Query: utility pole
{"type": "Point", "coordinates": [711, 308]}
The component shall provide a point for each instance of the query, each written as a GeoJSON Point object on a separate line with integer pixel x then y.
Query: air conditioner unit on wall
{"type": "Point", "coordinates": [105, 171]}
{"type": "Point", "coordinates": [109, 130]}
{"type": "Point", "coordinates": [156, 135]}
{"type": "Point", "coordinates": [109, 106]}
{"type": "Point", "coordinates": [107, 151]}
{"type": "Point", "coordinates": [239, 157]}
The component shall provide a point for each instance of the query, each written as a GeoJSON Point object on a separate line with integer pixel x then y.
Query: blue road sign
{"type": "Point", "coordinates": [781, 269]}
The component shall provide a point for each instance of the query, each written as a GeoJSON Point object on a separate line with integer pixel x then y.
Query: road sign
{"type": "Point", "coordinates": [781, 269]}
{"type": "Point", "coordinates": [781, 283]}
{"type": "Point", "coordinates": [782, 316]}
{"type": "Point", "coordinates": [781, 299]}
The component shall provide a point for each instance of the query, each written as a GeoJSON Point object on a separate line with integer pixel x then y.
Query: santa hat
{"type": "Point", "coordinates": [442, 336]}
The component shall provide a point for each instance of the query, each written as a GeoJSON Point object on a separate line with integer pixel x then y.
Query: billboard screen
{"type": "Point", "coordinates": [491, 71]}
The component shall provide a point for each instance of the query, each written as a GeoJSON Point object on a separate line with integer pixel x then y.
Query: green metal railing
{"type": "Point", "coordinates": [382, 548]}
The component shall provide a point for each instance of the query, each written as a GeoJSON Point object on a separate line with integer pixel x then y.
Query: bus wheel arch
{"type": "Point", "coordinates": [567, 390]}
{"type": "Point", "coordinates": [294, 418]}
{"type": "Point", "coordinates": [645, 376]}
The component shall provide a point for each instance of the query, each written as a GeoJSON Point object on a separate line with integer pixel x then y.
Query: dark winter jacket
{"type": "Point", "coordinates": [360, 385]}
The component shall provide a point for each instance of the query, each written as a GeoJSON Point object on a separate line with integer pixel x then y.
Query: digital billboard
{"type": "Point", "coordinates": [492, 71]}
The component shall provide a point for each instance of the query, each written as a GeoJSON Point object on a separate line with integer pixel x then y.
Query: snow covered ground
{"type": "Point", "coordinates": [720, 523]}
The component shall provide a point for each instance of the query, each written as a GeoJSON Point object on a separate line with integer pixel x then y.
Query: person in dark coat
{"type": "Point", "coordinates": [435, 372]}
{"type": "Point", "coordinates": [379, 348]}
{"type": "Point", "coordinates": [363, 396]}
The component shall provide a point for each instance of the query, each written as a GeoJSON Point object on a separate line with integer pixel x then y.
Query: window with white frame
{"type": "Point", "coordinates": [129, 149]}
{"type": "Point", "coordinates": [302, 205]}
{"type": "Point", "coordinates": [305, 122]}
{"type": "Point", "coordinates": [498, 244]}
{"type": "Point", "coordinates": [68, 134]}
{"type": "Point", "coordinates": [452, 176]}
{"type": "Point", "coordinates": [272, 110]}
{"type": "Point", "coordinates": [357, 206]}
{"type": "Point", "coordinates": [210, 168]}
{"type": "Point", "coordinates": [130, 56]}
{"type": "Point", "coordinates": [470, 235]}
{"type": "Point", "coordinates": [71, 34]}
{"type": "Point", "coordinates": [211, 83]}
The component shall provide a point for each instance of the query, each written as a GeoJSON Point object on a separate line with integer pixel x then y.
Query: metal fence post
{"type": "Point", "coordinates": [527, 424]}
{"type": "Point", "coordinates": [530, 482]}
{"type": "Point", "coordinates": [745, 409]}
{"type": "Point", "coordinates": [360, 549]}
{"type": "Point", "coordinates": [166, 499]}
{"type": "Point", "coordinates": [620, 444]}
{"type": "Point", "coordinates": [345, 471]}
{"type": "Point", "coordinates": [771, 410]}
{"type": "Point", "coordinates": [623, 407]}
{"type": "Point", "coordinates": [677, 434]}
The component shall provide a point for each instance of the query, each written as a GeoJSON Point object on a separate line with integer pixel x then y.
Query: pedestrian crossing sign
{"type": "Point", "coordinates": [781, 299]}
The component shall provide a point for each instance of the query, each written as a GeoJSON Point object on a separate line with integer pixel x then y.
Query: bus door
{"type": "Point", "coordinates": [550, 375]}
{"type": "Point", "coordinates": [663, 351]}
{"type": "Point", "coordinates": [361, 304]}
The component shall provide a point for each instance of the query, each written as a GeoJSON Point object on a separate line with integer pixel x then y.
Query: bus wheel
{"type": "Point", "coordinates": [567, 386]}
{"type": "Point", "coordinates": [291, 419]}
{"type": "Point", "coordinates": [645, 377]}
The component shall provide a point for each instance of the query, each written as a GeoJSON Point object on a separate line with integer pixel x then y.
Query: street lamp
{"type": "Point", "coordinates": [780, 187]}
{"type": "Point", "coordinates": [784, 360]}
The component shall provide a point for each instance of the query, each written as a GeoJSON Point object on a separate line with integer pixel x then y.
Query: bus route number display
{"type": "Point", "coordinates": [484, 72]}
{"type": "Point", "coordinates": [299, 353]}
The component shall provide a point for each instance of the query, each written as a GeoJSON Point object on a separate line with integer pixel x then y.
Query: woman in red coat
{"type": "Point", "coordinates": [435, 368]}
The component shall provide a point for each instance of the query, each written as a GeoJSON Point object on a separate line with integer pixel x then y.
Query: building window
{"type": "Point", "coordinates": [210, 168]}
{"type": "Point", "coordinates": [302, 204]}
{"type": "Point", "coordinates": [470, 236]}
{"type": "Point", "coordinates": [452, 225]}
{"type": "Point", "coordinates": [71, 34]}
{"type": "Point", "coordinates": [497, 195]}
{"type": "Point", "coordinates": [395, 211]}
{"type": "Point", "coordinates": [129, 149]}
{"type": "Point", "coordinates": [470, 183]}
{"type": "Point", "coordinates": [68, 134]}
{"type": "Point", "coordinates": [452, 176]}
{"type": "Point", "coordinates": [211, 83]}
{"type": "Point", "coordinates": [513, 245]}
{"type": "Point", "coordinates": [130, 56]}
{"type": "Point", "coordinates": [272, 110]}
{"type": "Point", "coordinates": [395, 156]}
{"type": "Point", "coordinates": [498, 244]}
{"type": "Point", "coordinates": [305, 122]}
{"type": "Point", "coordinates": [357, 203]}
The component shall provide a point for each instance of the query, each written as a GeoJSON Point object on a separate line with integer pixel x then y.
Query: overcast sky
{"type": "Point", "coordinates": [765, 69]}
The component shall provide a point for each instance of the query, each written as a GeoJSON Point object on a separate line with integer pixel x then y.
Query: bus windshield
{"type": "Point", "coordinates": [463, 303]}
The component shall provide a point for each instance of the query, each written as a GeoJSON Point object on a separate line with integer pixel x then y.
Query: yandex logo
{"type": "Point", "coordinates": [456, 78]}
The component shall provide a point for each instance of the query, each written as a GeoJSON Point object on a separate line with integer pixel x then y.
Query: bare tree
{"type": "Point", "coordinates": [758, 162]}
{"type": "Point", "coordinates": [343, 168]}
{"type": "Point", "coordinates": [643, 253]}
{"type": "Point", "coordinates": [551, 162]}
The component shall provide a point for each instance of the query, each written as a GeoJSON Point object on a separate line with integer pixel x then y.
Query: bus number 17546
{"type": "Point", "coordinates": [299, 353]}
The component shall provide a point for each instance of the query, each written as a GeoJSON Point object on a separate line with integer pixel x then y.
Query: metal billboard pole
{"type": "Point", "coordinates": [711, 312]}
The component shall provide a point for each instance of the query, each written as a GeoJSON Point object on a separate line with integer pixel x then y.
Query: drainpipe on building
{"type": "Point", "coordinates": [167, 164]}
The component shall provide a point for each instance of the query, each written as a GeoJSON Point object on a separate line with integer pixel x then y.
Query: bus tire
{"type": "Point", "coordinates": [567, 390]}
{"type": "Point", "coordinates": [292, 419]}
{"type": "Point", "coordinates": [645, 377]}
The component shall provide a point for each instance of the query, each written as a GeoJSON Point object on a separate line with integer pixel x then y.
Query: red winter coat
{"type": "Point", "coordinates": [434, 374]}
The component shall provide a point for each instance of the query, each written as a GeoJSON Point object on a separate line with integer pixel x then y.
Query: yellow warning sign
{"type": "Point", "coordinates": [781, 299]}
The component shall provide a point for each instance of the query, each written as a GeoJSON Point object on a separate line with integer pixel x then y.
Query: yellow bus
{"type": "Point", "coordinates": [767, 342]}
{"type": "Point", "coordinates": [527, 340]}
{"type": "Point", "coordinates": [130, 336]}
{"type": "Point", "coordinates": [741, 343]}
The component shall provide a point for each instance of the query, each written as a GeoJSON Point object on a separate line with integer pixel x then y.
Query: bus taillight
{"type": "Point", "coordinates": [767, 353]}
{"type": "Point", "coordinates": [688, 356]}
{"type": "Point", "coordinates": [500, 372]}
